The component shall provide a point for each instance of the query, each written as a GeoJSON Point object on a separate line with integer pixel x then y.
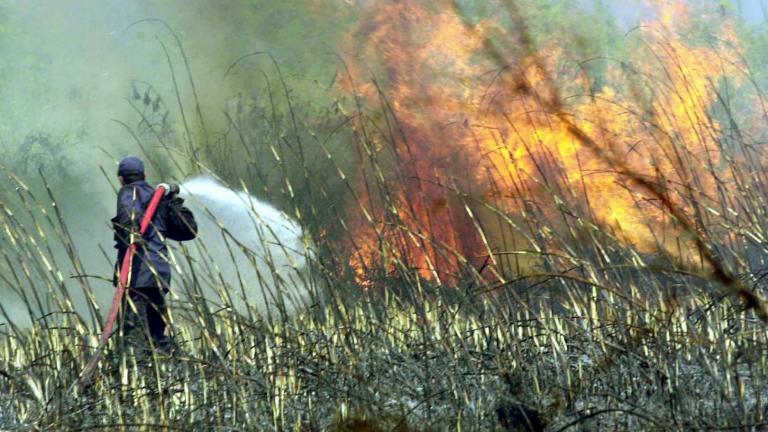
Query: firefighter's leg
{"type": "Point", "coordinates": [157, 318]}
{"type": "Point", "coordinates": [155, 313]}
{"type": "Point", "coordinates": [135, 325]}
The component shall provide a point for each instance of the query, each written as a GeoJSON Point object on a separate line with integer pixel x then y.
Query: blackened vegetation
{"type": "Point", "coordinates": [519, 418]}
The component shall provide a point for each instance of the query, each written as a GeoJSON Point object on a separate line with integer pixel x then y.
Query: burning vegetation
{"type": "Point", "coordinates": [460, 144]}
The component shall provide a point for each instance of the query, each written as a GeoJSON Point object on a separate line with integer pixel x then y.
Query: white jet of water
{"type": "Point", "coordinates": [247, 253]}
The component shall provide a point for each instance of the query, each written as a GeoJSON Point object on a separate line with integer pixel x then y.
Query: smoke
{"type": "Point", "coordinates": [247, 252]}
{"type": "Point", "coordinates": [69, 70]}
{"type": "Point", "coordinates": [72, 70]}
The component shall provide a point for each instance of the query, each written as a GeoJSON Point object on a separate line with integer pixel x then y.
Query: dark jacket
{"type": "Point", "coordinates": [151, 267]}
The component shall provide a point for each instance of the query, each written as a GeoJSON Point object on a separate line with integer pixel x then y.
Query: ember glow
{"type": "Point", "coordinates": [462, 145]}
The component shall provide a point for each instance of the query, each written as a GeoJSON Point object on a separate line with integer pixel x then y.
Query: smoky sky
{"type": "Point", "coordinates": [69, 65]}
{"type": "Point", "coordinates": [70, 68]}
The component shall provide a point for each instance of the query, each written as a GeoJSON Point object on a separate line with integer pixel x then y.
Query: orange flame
{"type": "Point", "coordinates": [460, 138]}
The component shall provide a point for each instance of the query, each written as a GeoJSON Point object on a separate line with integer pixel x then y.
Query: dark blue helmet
{"type": "Point", "coordinates": [130, 165]}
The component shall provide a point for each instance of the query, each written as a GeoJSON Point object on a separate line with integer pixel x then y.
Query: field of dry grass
{"type": "Point", "coordinates": [593, 257]}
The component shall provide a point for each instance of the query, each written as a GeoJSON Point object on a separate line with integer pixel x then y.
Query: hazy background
{"type": "Point", "coordinates": [72, 67]}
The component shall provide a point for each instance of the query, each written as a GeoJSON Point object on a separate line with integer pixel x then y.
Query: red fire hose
{"type": "Point", "coordinates": [125, 274]}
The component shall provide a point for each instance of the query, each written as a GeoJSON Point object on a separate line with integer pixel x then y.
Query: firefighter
{"type": "Point", "coordinates": [144, 318]}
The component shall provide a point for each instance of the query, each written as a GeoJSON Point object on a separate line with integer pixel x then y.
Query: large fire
{"type": "Point", "coordinates": [456, 144]}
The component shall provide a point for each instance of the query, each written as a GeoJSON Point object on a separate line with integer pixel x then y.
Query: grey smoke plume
{"type": "Point", "coordinates": [72, 67]}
